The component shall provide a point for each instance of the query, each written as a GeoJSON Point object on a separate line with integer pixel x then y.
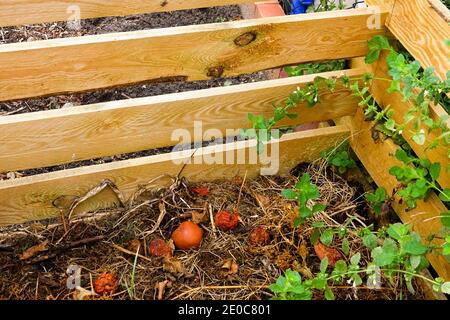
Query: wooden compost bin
{"type": "Point", "coordinates": [48, 138]}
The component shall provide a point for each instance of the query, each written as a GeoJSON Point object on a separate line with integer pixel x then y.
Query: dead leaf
{"type": "Point", "coordinates": [302, 250]}
{"type": "Point", "coordinates": [199, 217]}
{"type": "Point", "coordinates": [83, 294]}
{"type": "Point", "coordinates": [323, 251]}
{"type": "Point", "coordinates": [171, 246]}
{"type": "Point", "coordinates": [37, 227]}
{"type": "Point", "coordinates": [173, 265]}
{"type": "Point", "coordinates": [262, 200]}
{"type": "Point", "coordinates": [161, 287]}
{"type": "Point", "coordinates": [306, 272]}
{"type": "Point", "coordinates": [13, 175]}
{"type": "Point", "coordinates": [203, 191]}
{"type": "Point", "coordinates": [230, 266]}
{"type": "Point", "coordinates": [237, 180]}
{"type": "Point", "coordinates": [34, 250]}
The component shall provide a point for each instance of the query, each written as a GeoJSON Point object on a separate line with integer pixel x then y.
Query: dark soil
{"type": "Point", "coordinates": [120, 24]}
{"type": "Point", "coordinates": [133, 91]}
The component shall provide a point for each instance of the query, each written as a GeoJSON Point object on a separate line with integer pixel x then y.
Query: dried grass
{"type": "Point", "coordinates": [259, 203]}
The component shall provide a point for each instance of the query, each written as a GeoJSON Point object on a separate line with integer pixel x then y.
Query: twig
{"type": "Point", "coordinates": [161, 286]}
{"type": "Point", "coordinates": [240, 190]}
{"type": "Point", "coordinates": [126, 214]}
{"type": "Point", "coordinates": [211, 218]}
{"type": "Point", "coordinates": [218, 288]}
{"type": "Point", "coordinates": [64, 222]}
{"type": "Point", "coordinates": [343, 210]}
{"type": "Point", "coordinates": [162, 214]}
{"type": "Point", "coordinates": [81, 242]}
{"type": "Point", "coordinates": [130, 252]}
{"type": "Point", "coordinates": [13, 112]}
{"type": "Point", "coordinates": [58, 250]}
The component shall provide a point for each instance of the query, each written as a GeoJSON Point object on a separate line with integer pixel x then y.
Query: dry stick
{"type": "Point", "coordinates": [343, 210]}
{"type": "Point", "coordinates": [218, 288]}
{"type": "Point", "coordinates": [37, 288]}
{"type": "Point", "coordinates": [211, 218]}
{"type": "Point", "coordinates": [122, 219]}
{"type": "Point", "coordinates": [161, 286]}
{"type": "Point", "coordinates": [162, 214]}
{"type": "Point", "coordinates": [130, 252]}
{"type": "Point", "coordinates": [59, 250]}
{"type": "Point", "coordinates": [84, 241]}
{"type": "Point", "coordinates": [146, 187]}
{"type": "Point", "coordinates": [239, 197]}
{"type": "Point", "coordinates": [64, 222]}
{"type": "Point", "coordinates": [240, 190]}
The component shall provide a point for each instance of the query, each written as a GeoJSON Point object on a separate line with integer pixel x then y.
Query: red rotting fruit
{"type": "Point", "coordinates": [106, 283]}
{"type": "Point", "coordinates": [225, 220]}
{"type": "Point", "coordinates": [187, 236]}
{"type": "Point", "coordinates": [259, 236]}
{"type": "Point", "coordinates": [203, 191]}
{"type": "Point", "coordinates": [159, 248]}
{"type": "Point", "coordinates": [323, 251]}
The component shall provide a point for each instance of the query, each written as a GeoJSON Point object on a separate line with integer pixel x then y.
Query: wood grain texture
{"type": "Point", "coordinates": [32, 198]}
{"type": "Point", "coordinates": [378, 158]}
{"type": "Point", "coordinates": [194, 52]}
{"type": "Point", "coordinates": [18, 12]}
{"type": "Point", "coordinates": [422, 28]}
{"type": "Point", "coordinates": [396, 103]}
{"type": "Point", "coordinates": [59, 136]}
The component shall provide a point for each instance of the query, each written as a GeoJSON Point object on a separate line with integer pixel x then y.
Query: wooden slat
{"type": "Point", "coordinates": [422, 27]}
{"type": "Point", "coordinates": [18, 12]}
{"type": "Point", "coordinates": [31, 198]}
{"type": "Point", "coordinates": [53, 137]}
{"type": "Point", "coordinates": [394, 101]}
{"type": "Point", "coordinates": [378, 158]}
{"type": "Point", "coordinates": [194, 52]}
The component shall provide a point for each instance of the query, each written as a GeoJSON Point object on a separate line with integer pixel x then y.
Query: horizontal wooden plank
{"type": "Point", "coordinates": [422, 27]}
{"type": "Point", "coordinates": [193, 52]}
{"type": "Point", "coordinates": [32, 198]}
{"type": "Point", "coordinates": [53, 137]}
{"type": "Point", "coordinates": [378, 158]}
{"type": "Point", "coordinates": [18, 12]}
{"type": "Point", "coordinates": [395, 101]}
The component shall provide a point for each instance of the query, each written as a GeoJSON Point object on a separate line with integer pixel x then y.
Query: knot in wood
{"type": "Point", "coordinates": [215, 72]}
{"type": "Point", "coordinates": [245, 39]}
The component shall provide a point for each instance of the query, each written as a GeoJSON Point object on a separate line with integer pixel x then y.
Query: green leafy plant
{"type": "Point", "coordinates": [304, 191]}
{"type": "Point", "coordinates": [421, 87]}
{"type": "Point", "coordinates": [339, 158]}
{"type": "Point", "coordinates": [395, 250]}
{"type": "Point", "coordinates": [315, 67]}
{"type": "Point", "coordinates": [291, 287]}
{"type": "Point", "coordinates": [130, 287]}
{"type": "Point", "coordinates": [419, 177]}
{"type": "Point", "coordinates": [262, 128]}
{"type": "Point", "coordinates": [401, 253]}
